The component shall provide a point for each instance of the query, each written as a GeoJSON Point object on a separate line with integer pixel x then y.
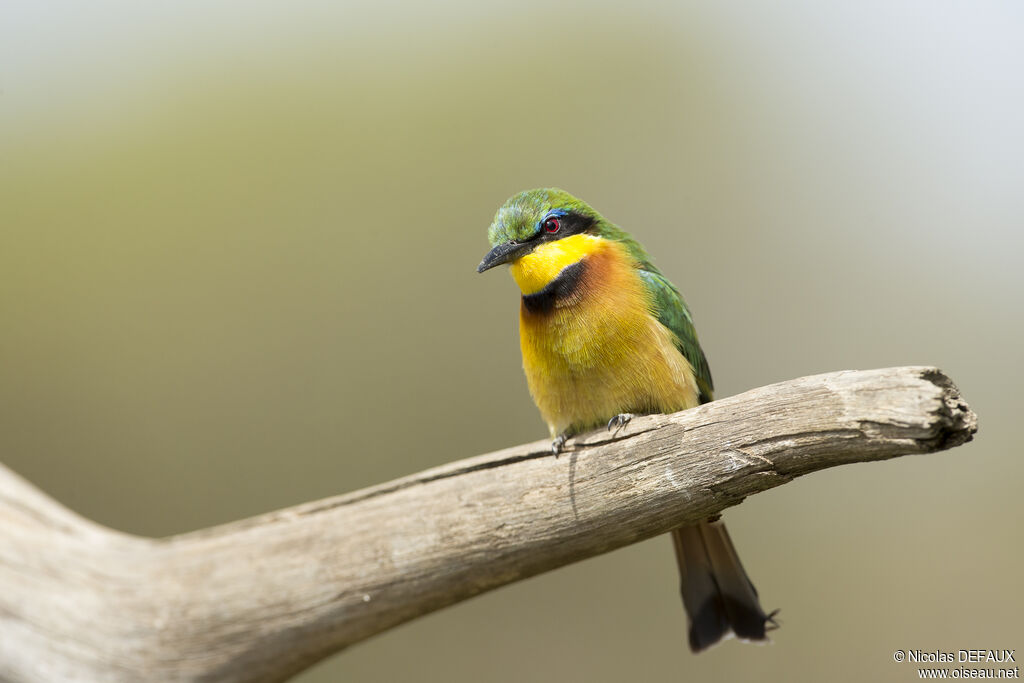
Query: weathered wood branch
{"type": "Point", "coordinates": [261, 599]}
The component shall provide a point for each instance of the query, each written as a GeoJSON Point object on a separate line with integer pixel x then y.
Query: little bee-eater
{"type": "Point", "coordinates": [605, 336]}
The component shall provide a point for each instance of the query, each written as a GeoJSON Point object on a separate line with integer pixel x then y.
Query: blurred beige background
{"type": "Point", "coordinates": [237, 252]}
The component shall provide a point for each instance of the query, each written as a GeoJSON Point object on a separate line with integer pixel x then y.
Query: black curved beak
{"type": "Point", "coordinates": [504, 253]}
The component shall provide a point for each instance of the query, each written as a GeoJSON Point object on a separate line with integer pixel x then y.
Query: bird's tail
{"type": "Point", "coordinates": [717, 593]}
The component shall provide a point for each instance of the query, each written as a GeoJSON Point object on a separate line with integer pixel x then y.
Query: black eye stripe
{"type": "Point", "coordinates": [569, 223]}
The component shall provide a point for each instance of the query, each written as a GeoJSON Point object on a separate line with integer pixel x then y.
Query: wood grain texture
{"type": "Point", "coordinates": [263, 598]}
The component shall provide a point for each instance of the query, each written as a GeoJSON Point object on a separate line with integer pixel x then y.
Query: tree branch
{"type": "Point", "coordinates": [261, 599]}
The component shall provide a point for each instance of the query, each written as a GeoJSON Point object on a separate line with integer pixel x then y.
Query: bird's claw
{"type": "Point", "coordinates": [557, 443]}
{"type": "Point", "coordinates": [618, 422]}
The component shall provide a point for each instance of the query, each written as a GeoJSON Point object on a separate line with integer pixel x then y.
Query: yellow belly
{"type": "Point", "coordinates": [604, 353]}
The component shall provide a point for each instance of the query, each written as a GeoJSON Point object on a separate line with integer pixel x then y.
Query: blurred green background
{"type": "Point", "coordinates": [237, 252]}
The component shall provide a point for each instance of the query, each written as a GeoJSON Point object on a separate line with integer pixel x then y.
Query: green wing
{"type": "Point", "coordinates": [673, 314]}
{"type": "Point", "coordinates": [668, 304]}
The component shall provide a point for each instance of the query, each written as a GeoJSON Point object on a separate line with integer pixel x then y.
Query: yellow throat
{"type": "Point", "coordinates": [534, 271]}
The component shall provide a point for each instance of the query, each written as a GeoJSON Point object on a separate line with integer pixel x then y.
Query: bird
{"type": "Point", "coordinates": [604, 337]}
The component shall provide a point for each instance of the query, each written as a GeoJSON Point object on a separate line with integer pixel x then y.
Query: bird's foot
{"type": "Point", "coordinates": [557, 444]}
{"type": "Point", "coordinates": [618, 422]}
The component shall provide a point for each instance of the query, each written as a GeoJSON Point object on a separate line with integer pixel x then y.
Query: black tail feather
{"type": "Point", "coordinates": [717, 593]}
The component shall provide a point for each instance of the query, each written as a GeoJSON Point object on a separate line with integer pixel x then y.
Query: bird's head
{"type": "Point", "coordinates": [532, 219]}
{"type": "Point", "coordinates": [541, 232]}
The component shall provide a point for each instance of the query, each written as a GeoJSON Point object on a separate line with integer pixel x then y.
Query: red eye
{"type": "Point", "coordinates": [552, 225]}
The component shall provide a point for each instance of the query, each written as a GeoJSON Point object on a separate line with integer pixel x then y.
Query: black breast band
{"type": "Point", "coordinates": [562, 287]}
